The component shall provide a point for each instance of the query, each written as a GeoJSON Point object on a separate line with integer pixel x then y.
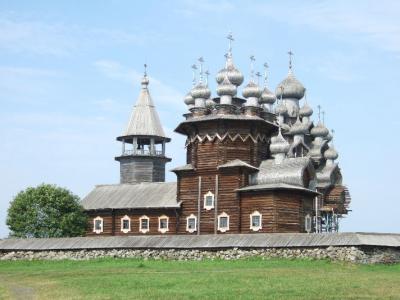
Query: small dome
{"type": "Point", "coordinates": [189, 100]}
{"type": "Point", "coordinates": [320, 130]}
{"type": "Point", "coordinates": [331, 153]}
{"type": "Point", "coordinates": [267, 97]}
{"type": "Point", "coordinates": [292, 88]}
{"type": "Point", "coordinates": [234, 75]}
{"type": "Point", "coordinates": [298, 128]}
{"type": "Point", "coordinates": [252, 90]}
{"type": "Point", "coordinates": [210, 103]}
{"type": "Point", "coordinates": [281, 109]}
{"type": "Point", "coordinates": [305, 110]}
{"type": "Point", "coordinates": [279, 144]}
{"type": "Point", "coordinates": [226, 88]}
{"type": "Point", "coordinates": [200, 91]}
{"type": "Point", "coordinates": [329, 137]}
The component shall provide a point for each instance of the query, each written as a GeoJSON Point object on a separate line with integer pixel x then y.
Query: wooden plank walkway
{"type": "Point", "coordinates": [220, 241]}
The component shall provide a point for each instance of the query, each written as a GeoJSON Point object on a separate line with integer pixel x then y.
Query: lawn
{"type": "Point", "coordinates": [240, 279]}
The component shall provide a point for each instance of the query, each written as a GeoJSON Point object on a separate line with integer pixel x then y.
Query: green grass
{"type": "Point", "coordinates": [240, 279]}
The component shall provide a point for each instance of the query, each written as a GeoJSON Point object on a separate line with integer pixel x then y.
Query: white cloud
{"type": "Point", "coordinates": [162, 93]}
{"type": "Point", "coordinates": [24, 82]}
{"type": "Point", "coordinates": [190, 8]}
{"type": "Point", "coordinates": [36, 37]}
{"type": "Point", "coordinates": [373, 22]}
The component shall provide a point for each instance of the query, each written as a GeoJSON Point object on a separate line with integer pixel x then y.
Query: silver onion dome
{"type": "Point", "coordinates": [279, 144]}
{"type": "Point", "coordinates": [252, 90]}
{"type": "Point", "coordinates": [305, 110]}
{"type": "Point", "coordinates": [189, 100]}
{"type": "Point", "coordinates": [200, 91]}
{"type": "Point", "coordinates": [320, 130]}
{"type": "Point", "coordinates": [298, 128]}
{"type": "Point", "coordinates": [226, 88]}
{"type": "Point", "coordinates": [331, 153]}
{"type": "Point", "coordinates": [267, 97]}
{"type": "Point", "coordinates": [328, 137]}
{"type": "Point", "coordinates": [234, 75]}
{"type": "Point", "coordinates": [290, 87]}
{"type": "Point", "coordinates": [281, 109]}
{"type": "Point", "coordinates": [210, 103]}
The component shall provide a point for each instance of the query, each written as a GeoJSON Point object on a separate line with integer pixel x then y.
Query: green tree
{"type": "Point", "coordinates": [46, 211]}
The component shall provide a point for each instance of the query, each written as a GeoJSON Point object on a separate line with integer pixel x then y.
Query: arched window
{"type": "Point", "coordinates": [209, 201]}
{"type": "Point", "coordinates": [98, 225]}
{"type": "Point", "coordinates": [144, 224]}
{"type": "Point", "coordinates": [255, 221]}
{"type": "Point", "coordinates": [125, 224]}
{"type": "Point", "coordinates": [223, 222]}
{"type": "Point", "coordinates": [191, 223]}
{"type": "Point", "coordinates": [163, 224]}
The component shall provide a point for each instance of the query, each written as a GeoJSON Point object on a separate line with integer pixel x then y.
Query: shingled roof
{"type": "Point", "coordinates": [144, 119]}
{"type": "Point", "coordinates": [290, 171]}
{"type": "Point", "coordinates": [140, 195]}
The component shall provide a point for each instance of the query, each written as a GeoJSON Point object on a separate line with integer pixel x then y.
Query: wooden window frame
{"type": "Point", "coordinates": [125, 218]}
{"type": "Point", "coordinates": [163, 230]}
{"type": "Point", "coordinates": [223, 229]}
{"type": "Point", "coordinates": [144, 230]}
{"type": "Point", "coordinates": [191, 230]}
{"type": "Point", "coordinates": [255, 214]}
{"type": "Point", "coordinates": [209, 207]}
{"type": "Point", "coordinates": [98, 231]}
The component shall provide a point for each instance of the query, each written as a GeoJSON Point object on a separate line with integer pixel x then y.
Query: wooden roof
{"type": "Point", "coordinates": [119, 196]}
{"type": "Point", "coordinates": [218, 241]}
{"type": "Point", "coordinates": [144, 120]}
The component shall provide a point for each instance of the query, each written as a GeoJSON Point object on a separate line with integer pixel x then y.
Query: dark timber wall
{"type": "Point", "coordinates": [135, 169]}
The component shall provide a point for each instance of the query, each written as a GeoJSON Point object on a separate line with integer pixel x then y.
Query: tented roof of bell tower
{"type": "Point", "coordinates": [144, 120]}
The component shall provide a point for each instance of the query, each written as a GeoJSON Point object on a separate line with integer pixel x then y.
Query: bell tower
{"type": "Point", "coordinates": [143, 156]}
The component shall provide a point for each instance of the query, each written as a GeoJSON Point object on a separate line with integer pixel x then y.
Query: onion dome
{"type": "Point", "coordinates": [290, 87]}
{"type": "Point", "coordinates": [281, 109]}
{"type": "Point", "coordinates": [226, 88]}
{"type": "Point", "coordinates": [267, 97]}
{"type": "Point", "coordinates": [320, 130]}
{"type": "Point", "coordinates": [329, 137]}
{"type": "Point", "coordinates": [279, 144]}
{"type": "Point", "coordinates": [189, 100]}
{"type": "Point", "coordinates": [298, 128]}
{"type": "Point", "coordinates": [200, 91]}
{"type": "Point", "coordinates": [210, 102]}
{"type": "Point", "coordinates": [331, 153]}
{"type": "Point", "coordinates": [234, 75]}
{"type": "Point", "coordinates": [252, 90]}
{"type": "Point", "coordinates": [305, 110]}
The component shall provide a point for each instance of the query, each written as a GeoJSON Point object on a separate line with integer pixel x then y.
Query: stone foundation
{"type": "Point", "coordinates": [364, 255]}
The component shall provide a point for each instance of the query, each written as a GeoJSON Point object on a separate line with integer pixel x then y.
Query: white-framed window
{"type": "Point", "coordinates": [209, 201]}
{"type": "Point", "coordinates": [125, 224]}
{"type": "Point", "coordinates": [98, 225]}
{"type": "Point", "coordinates": [144, 224]}
{"type": "Point", "coordinates": [163, 224]}
{"type": "Point", "coordinates": [255, 221]}
{"type": "Point", "coordinates": [191, 223]}
{"type": "Point", "coordinates": [223, 222]}
{"type": "Point", "coordinates": [308, 223]}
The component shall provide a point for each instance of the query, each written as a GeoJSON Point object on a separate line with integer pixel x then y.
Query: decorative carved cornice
{"type": "Point", "coordinates": [211, 138]}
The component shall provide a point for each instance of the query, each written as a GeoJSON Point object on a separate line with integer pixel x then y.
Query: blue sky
{"type": "Point", "coordinates": [70, 74]}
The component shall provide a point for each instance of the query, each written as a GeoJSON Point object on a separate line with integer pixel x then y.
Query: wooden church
{"type": "Point", "coordinates": [256, 163]}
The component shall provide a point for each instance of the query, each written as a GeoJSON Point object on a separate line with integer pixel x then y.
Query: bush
{"type": "Point", "coordinates": [46, 211]}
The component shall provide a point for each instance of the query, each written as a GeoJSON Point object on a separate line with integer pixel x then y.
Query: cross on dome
{"type": "Point", "coordinates": [265, 73]}
{"type": "Point", "coordinates": [290, 59]}
{"type": "Point", "coordinates": [194, 68]}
